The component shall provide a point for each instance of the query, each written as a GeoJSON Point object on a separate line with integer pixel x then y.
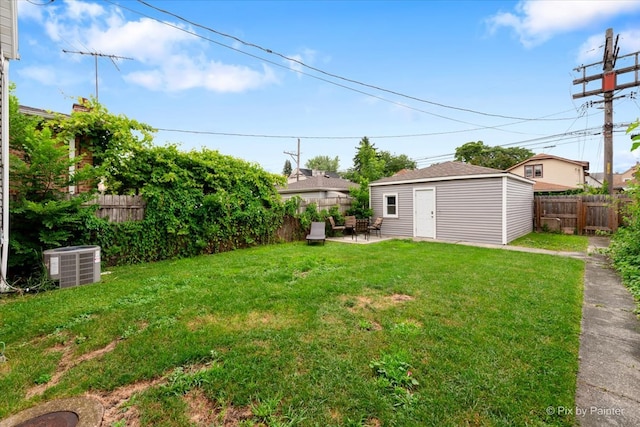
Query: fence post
{"type": "Point", "coordinates": [581, 220]}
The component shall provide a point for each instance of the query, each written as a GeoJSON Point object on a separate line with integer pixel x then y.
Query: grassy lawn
{"type": "Point", "coordinates": [393, 333]}
{"type": "Point", "coordinates": [553, 242]}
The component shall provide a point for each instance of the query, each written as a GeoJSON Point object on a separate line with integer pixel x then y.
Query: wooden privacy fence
{"type": "Point", "coordinates": [120, 208]}
{"type": "Point", "coordinates": [580, 214]}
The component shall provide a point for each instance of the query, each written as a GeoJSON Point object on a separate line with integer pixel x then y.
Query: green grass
{"type": "Point", "coordinates": [553, 242]}
{"type": "Point", "coordinates": [394, 333]}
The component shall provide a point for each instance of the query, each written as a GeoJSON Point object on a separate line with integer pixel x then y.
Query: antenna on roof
{"type": "Point", "coordinates": [95, 56]}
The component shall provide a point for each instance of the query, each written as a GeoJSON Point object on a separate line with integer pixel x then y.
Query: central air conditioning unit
{"type": "Point", "coordinates": [73, 265]}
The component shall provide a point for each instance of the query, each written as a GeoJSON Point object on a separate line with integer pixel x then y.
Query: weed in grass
{"type": "Point", "coordinates": [82, 318]}
{"type": "Point", "coordinates": [43, 379]}
{"type": "Point", "coordinates": [393, 370]}
{"type": "Point", "coordinates": [365, 325]}
{"type": "Point", "coordinates": [79, 339]}
{"type": "Point", "coordinates": [129, 332]}
{"type": "Point", "coordinates": [265, 409]}
{"type": "Point", "coordinates": [180, 382]}
{"type": "Point", "coordinates": [121, 423]}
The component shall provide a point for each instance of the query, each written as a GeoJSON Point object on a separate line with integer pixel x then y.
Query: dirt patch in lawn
{"type": "Point", "coordinates": [374, 302]}
{"type": "Point", "coordinates": [67, 361]}
{"type": "Point", "coordinates": [114, 403]}
{"type": "Point", "coordinates": [203, 412]}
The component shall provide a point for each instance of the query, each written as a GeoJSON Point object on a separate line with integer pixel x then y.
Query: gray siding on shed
{"type": "Point", "coordinates": [403, 225]}
{"type": "Point", "coordinates": [469, 210]}
{"type": "Point", "coordinates": [519, 209]}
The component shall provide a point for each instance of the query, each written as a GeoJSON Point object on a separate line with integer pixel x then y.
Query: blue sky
{"type": "Point", "coordinates": [450, 73]}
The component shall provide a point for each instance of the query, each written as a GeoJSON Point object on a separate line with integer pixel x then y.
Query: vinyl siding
{"type": "Point", "coordinates": [8, 29]}
{"type": "Point", "coordinates": [403, 225]}
{"type": "Point", "coordinates": [519, 209]}
{"type": "Point", "coordinates": [469, 210]}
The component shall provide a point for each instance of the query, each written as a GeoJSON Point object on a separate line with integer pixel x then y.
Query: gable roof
{"type": "Point", "coordinates": [543, 156]}
{"type": "Point", "coordinates": [442, 170]}
{"type": "Point", "coordinates": [318, 182]}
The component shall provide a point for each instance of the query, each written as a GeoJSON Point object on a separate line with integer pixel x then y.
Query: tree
{"type": "Point", "coordinates": [476, 153]}
{"type": "Point", "coordinates": [323, 163]}
{"type": "Point", "coordinates": [367, 164]}
{"type": "Point", "coordinates": [395, 163]}
{"type": "Point", "coordinates": [114, 139]}
{"type": "Point", "coordinates": [286, 170]}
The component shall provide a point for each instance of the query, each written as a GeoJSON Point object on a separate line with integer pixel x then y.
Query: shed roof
{"type": "Point", "coordinates": [441, 170]}
{"type": "Point", "coordinates": [318, 182]}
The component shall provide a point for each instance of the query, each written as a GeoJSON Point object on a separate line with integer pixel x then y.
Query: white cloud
{"type": "Point", "coordinates": [535, 22]}
{"type": "Point", "coordinates": [172, 59]}
{"type": "Point", "coordinates": [79, 10]}
{"type": "Point", "coordinates": [45, 75]}
{"type": "Point", "coordinates": [591, 50]}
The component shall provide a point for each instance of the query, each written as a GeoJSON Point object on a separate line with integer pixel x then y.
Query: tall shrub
{"type": "Point", "coordinates": [625, 244]}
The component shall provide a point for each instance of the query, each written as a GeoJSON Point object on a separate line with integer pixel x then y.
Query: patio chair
{"type": "Point", "coordinates": [350, 224]}
{"type": "Point", "coordinates": [376, 226]}
{"type": "Point", "coordinates": [317, 233]}
{"type": "Point", "coordinates": [362, 227]}
{"type": "Point", "coordinates": [335, 227]}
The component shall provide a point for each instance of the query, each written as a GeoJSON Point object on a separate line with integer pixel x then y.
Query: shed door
{"type": "Point", "coordinates": [424, 215]}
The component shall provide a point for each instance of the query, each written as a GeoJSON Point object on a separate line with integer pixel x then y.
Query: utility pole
{"type": "Point", "coordinates": [609, 86]}
{"type": "Point", "coordinates": [296, 159]}
{"type": "Point", "coordinates": [95, 57]}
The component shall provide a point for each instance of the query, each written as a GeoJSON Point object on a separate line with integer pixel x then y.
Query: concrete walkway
{"type": "Point", "coordinates": [608, 389]}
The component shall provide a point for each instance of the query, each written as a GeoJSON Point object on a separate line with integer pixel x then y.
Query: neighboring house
{"type": "Point", "coordinates": [455, 201]}
{"type": "Point", "coordinates": [553, 173]}
{"type": "Point", "coordinates": [302, 174]}
{"type": "Point", "coordinates": [317, 187]}
{"type": "Point", "coordinates": [622, 180]}
{"type": "Point", "coordinates": [77, 146]}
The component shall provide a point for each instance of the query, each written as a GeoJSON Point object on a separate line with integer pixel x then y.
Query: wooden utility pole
{"type": "Point", "coordinates": [609, 86]}
{"type": "Point", "coordinates": [296, 159]}
{"type": "Point", "coordinates": [95, 57]}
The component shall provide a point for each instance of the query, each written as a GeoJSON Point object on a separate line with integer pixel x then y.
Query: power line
{"type": "Point", "coordinates": [478, 127]}
{"type": "Point", "coordinates": [272, 52]}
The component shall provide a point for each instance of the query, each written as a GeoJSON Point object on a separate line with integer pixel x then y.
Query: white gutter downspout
{"type": "Point", "coordinates": [4, 138]}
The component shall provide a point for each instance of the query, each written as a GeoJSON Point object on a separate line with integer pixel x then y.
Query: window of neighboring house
{"type": "Point", "coordinates": [390, 205]}
{"type": "Point", "coordinates": [533, 171]}
{"type": "Point", "coordinates": [537, 171]}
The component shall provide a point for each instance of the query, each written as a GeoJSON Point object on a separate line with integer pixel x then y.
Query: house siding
{"type": "Point", "coordinates": [403, 224]}
{"type": "Point", "coordinates": [469, 210]}
{"type": "Point", "coordinates": [519, 209]}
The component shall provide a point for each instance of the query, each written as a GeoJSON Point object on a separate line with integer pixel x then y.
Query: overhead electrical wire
{"type": "Point", "coordinates": [477, 126]}
{"type": "Point", "coordinates": [336, 76]}
{"type": "Point", "coordinates": [269, 51]}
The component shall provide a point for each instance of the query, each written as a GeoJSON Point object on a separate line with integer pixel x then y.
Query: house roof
{"type": "Point", "coordinates": [318, 183]}
{"type": "Point", "coordinates": [441, 170]}
{"type": "Point", "coordinates": [543, 156]}
{"type": "Point", "coordinates": [541, 186]}
{"type": "Point", "coordinates": [45, 114]}
{"type": "Point", "coordinates": [311, 172]}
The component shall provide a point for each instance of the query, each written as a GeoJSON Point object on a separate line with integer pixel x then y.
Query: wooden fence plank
{"type": "Point", "coordinates": [580, 213]}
